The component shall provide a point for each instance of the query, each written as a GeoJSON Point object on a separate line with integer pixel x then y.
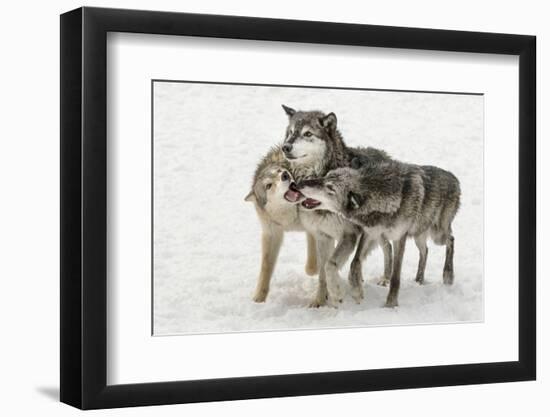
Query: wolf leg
{"type": "Point", "coordinates": [355, 277]}
{"type": "Point", "coordinates": [339, 256]}
{"type": "Point", "coordinates": [364, 247]}
{"type": "Point", "coordinates": [325, 247]}
{"type": "Point", "coordinates": [388, 254]}
{"type": "Point", "coordinates": [271, 243]}
{"type": "Point", "coordinates": [448, 269]}
{"type": "Point", "coordinates": [420, 241]}
{"type": "Point", "coordinates": [395, 281]}
{"type": "Point", "coordinates": [311, 262]}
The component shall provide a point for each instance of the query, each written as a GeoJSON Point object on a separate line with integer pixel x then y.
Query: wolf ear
{"type": "Point", "coordinates": [354, 201]}
{"type": "Point", "coordinates": [289, 111]}
{"type": "Point", "coordinates": [328, 121]}
{"type": "Point", "coordinates": [250, 197]}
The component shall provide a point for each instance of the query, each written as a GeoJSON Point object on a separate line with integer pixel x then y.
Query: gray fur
{"type": "Point", "coordinates": [364, 247]}
{"type": "Point", "coordinates": [308, 126]}
{"type": "Point", "coordinates": [394, 200]}
{"type": "Point", "coordinates": [324, 226]}
{"type": "Point", "coordinates": [323, 127]}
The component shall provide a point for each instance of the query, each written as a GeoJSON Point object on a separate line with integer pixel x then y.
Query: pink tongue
{"type": "Point", "coordinates": [310, 203]}
{"type": "Point", "coordinates": [292, 196]}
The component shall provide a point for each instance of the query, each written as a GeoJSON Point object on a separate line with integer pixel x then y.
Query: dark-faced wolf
{"type": "Point", "coordinates": [311, 148]}
{"type": "Point", "coordinates": [394, 200]}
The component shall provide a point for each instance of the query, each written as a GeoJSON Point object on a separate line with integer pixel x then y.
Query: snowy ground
{"type": "Point", "coordinates": [207, 141]}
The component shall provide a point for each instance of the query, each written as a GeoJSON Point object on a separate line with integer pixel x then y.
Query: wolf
{"type": "Point", "coordinates": [271, 181]}
{"type": "Point", "coordinates": [312, 146]}
{"type": "Point", "coordinates": [278, 207]}
{"type": "Point", "coordinates": [395, 200]}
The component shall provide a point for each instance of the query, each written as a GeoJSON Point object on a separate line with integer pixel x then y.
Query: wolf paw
{"type": "Point", "coordinates": [357, 294]}
{"type": "Point", "coordinates": [336, 293]}
{"type": "Point", "coordinates": [448, 277]}
{"type": "Point", "coordinates": [260, 297]}
{"type": "Point", "coordinates": [318, 302]}
{"type": "Point", "coordinates": [391, 302]}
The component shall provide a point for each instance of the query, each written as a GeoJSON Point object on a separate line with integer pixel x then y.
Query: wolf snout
{"type": "Point", "coordinates": [308, 183]}
{"type": "Point", "coordinates": [292, 194]}
{"type": "Point", "coordinates": [287, 148]}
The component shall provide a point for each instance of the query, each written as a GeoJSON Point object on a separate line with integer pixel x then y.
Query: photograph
{"type": "Point", "coordinates": [268, 205]}
{"type": "Point", "coordinates": [278, 207]}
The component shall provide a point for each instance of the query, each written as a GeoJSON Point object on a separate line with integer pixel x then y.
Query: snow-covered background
{"type": "Point", "coordinates": [207, 141]}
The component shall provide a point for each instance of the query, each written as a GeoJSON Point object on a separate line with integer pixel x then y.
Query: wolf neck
{"type": "Point", "coordinates": [335, 157]}
{"type": "Point", "coordinates": [349, 218]}
{"type": "Point", "coordinates": [302, 171]}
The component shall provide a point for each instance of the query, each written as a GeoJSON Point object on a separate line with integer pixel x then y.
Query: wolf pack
{"type": "Point", "coordinates": [348, 201]}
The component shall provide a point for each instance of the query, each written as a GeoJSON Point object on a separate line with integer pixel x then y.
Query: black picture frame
{"type": "Point", "coordinates": [84, 207]}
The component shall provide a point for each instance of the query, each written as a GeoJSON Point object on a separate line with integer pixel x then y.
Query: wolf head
{"type": "Point", "coordinates": [339, 191]}
{"type": "Point", "coordinates": [309, 137]}
{"type": "Point", "coordinates": [271, 190]}
{"type": "Point", "coordinates": [374, 187]}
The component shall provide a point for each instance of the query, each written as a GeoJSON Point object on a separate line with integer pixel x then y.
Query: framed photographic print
{"type": "Point", "coordinates": [257, 208]}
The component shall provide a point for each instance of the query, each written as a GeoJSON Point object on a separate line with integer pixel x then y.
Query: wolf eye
{"type": "Point", "coordinates": [330, 188]}
{"type": "Point", "coordinates": [268, 186]}
{"type": "Point", "coordinates": [308, 134]}
{"type": "Point", "coordinates": [285, 176]}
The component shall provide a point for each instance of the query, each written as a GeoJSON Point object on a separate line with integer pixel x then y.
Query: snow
{"type": "Point", "coordinates": [207, 141]}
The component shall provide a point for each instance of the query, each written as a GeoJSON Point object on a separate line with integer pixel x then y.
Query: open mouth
{"type": "Point", "coordinates": [310, 203]}
{"type": "Point", "coordinates": [287, 156]}
{"type": "Point", "coordinates": [292, 194]}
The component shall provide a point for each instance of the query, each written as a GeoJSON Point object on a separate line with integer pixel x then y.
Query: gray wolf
{"type": "Point", "coordinates": [270, 183]}
{"type": "Point", "coordinates": [394, 200]}
{"type": "Point", "coordinates": [312, 146]}
{"type": "Point", "coordinates": [279, 211]}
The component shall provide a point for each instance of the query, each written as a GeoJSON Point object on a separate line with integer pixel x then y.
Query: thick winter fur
{"type": "Point", "coordinates": [312, 146]}
{"type": "Point", "coordinates": [394, 200]}
{"type": "Point", "coordinates": [276, 216]}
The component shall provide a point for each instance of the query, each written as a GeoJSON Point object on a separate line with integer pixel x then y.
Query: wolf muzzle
{"type": "Point", "coordinates": [292, 194]}
{"type": "Point", "coordinates": [310, 203]}
{"type": "Point", "coordinates": [312, 183]}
